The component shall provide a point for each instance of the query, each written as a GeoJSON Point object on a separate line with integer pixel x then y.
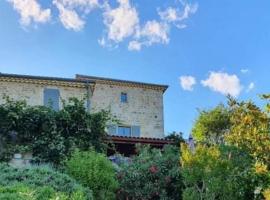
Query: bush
{"type": "Point", "coordinates": [50, 135]}
{"type": "Point", "coordinates": [95, 171]}
{"type": "Point", "coordinates": [41, 176]}
{"type": "Point", "coordinates": [153, 174]}
{"type": "Point", "coordinates": [217, 173]}
{"type": "Point", "coordinates": [23, 192]}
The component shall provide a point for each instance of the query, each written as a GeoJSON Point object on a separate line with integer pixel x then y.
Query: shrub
{"type": "Point", "coordinates": [23, 192]}
{"type": "Point", "coordinates": [216, 173]}
{"type": "Point", "coordinates": [50, 135]}
{"type": "Point", "coordinates": [153, 174]}
{"type": "Point", "coordinates": [40, 176]}
{"type": "Point", "coordinates": [95, 171]}
{"type": "Point", "coordinates": [266, 194]}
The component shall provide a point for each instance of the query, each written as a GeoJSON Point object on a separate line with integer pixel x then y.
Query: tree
{"type": "Point", "coordinates": [250, 130]}
{"type": "Point", "coordinates": [211, 125]}
{"type": "Point", "coordinates": [177, 138]}
{"type": "Point", "coordinates": [216, 172]}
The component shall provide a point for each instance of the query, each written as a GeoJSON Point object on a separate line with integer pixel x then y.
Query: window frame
{"type": "Point", "coordinates": [119, 127]}
{"type": "Point", "coordinates": [49, 102]}
{"type": "Point", "coordinates": [124, 97]}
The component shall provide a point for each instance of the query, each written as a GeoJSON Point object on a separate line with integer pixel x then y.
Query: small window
{"type": "Point", "coordinates": [124, 131]}
{"type": "Point", "coordinates": [124, 97]}
{"type": "Point", "coordinates": [134, 131]}
{"type": "Point", "coordinates": [51, 98]}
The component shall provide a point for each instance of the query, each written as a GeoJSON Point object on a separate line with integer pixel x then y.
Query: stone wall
{"type": "Point", "coordinates": [144, 107]}
{"type": "Point", "coordinates": [33, 93]}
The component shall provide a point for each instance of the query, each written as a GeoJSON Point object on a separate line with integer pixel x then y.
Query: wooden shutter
{"type": "Point", "coordinates": [112, 130]}
{"type": "Point", "coordinates": [51, 98]}
{"type": "Point", "coordinates": [136, 131]}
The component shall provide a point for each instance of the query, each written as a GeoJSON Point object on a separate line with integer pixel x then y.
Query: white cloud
{"type": "Point", "coordinates": [134, 46]}
{"type": "Point", "coordinates": [84, 5]}
{"type": "Point", "coordinates": [154, 32]}
{"type": "Point", "coordinates": [102, 42]}
{"type": "Point", "coordinates": [121, 22]}
{"type": "Point", "coordinates": [223, 83]}
{"type": "Point", "coordinates": [244, 71]}
{"type": "Point", "coordinates": [30, 11]}
{"type": "Point", "coordinates": [187, 82]}
{"type": "Point", "coordinates": [68, 15]}
{"type": "Point", "coordinates": [251, 86]}
{"type": "Point", "coordinates": [175, 15]}
{"type": "Point", "coordinates": [151, 33]}
{"type": "Point", "coordinates": [69, 18]}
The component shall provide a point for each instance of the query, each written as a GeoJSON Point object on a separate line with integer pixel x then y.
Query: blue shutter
{"type": "Point", "coordinates": [112, 129]}
{"type": "Point", "coordinates": [136, 131]}
{"type": "Point", "coordinates": [124, 97]}
{"type": "Point", "coordinates": [51, 98]}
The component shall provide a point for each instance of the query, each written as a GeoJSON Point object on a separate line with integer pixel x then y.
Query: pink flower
{"type": "Point", "coordinates": [153, 169]}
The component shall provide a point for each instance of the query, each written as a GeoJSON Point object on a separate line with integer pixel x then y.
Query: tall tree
{"type": "Point", "coordinates": [211, 125]}
{"type": "Point", "coordinates": [250, 130]}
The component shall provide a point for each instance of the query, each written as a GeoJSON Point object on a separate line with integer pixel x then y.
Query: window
{"type": "Point", "coordinates": [124, 97]}
{"type": "Point", "coordinates": [134, 131]}
{"type": "Point", "coordinates": [51, 98]}
{"type": "Point", "coordinates": [124, 131]}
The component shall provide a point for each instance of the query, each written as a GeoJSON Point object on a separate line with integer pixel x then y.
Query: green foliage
{"type": "Point", "coordinates": [41, 176]}
{"type": "Point", "coordinates": [153, 174]}
{"type": "Point", "coordinates": [50, 135]}
{"type": "Point", "coordinates": [94, 171]}
{"type": "Point", "coordinates": [211, 125]}
{"type": "Point", "coordinates": [216, 173]}
{"type": "Point", "coordinates": [250, 130]}
{"type": "Point", "coordinates": [177, 138]}
{"type": "Point", "coordinates": [23, 192]}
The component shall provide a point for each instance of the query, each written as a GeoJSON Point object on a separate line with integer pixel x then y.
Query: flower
{"type": "Point", "coordinates": [153, 169]}
{"type": "Point", "coordinates": [260, 168]}
{"type": "Point", "coordinates": [266, 194]}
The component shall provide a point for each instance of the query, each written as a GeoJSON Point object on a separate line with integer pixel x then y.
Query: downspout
{"type": "Point", "coordinates": [88, 90]}
{"type": "Point", "coordinates": [89, 94]}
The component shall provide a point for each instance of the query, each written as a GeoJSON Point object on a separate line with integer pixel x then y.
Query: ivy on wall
{"type": "Point", "coordinates": [50, 135]}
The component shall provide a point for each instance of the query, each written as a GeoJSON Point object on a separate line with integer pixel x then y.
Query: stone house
{"type": "Point", "coordinates": [138, 106]}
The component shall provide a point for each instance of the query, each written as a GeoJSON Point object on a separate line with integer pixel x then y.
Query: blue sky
{"type": "Point", "coordinates": [202, 49]}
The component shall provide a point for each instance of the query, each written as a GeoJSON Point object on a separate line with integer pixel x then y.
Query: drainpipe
{"type": "Point", "coordinates": [88, 94]}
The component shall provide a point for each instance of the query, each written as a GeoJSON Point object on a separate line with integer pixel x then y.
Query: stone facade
{"type": "Point", "coordinates": [143, 109]}
{"type": "Point", "coordinates": [33, 93]}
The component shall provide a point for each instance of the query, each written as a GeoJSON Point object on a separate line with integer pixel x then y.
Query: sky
{"type": "Point", "coordinates": [204, 50]}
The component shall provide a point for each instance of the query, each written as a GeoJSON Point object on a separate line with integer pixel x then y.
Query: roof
{"type": "Point", "coordinates": [79, 81]}
{"type": "Point", "coordinates": [141, 140]}
{"type": "Point", "coordinates": [122, 82]}
{"type": "Point", "coordinates": [43, 78]}
{"type": "Point", "coordinates": [71, 82]}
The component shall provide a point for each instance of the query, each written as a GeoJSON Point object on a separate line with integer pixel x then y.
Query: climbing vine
{"type": "Point", "coordinates": [50, 135]}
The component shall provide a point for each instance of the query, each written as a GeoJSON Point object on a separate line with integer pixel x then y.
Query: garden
{"type": "Point", "coordinates": [230, 159]}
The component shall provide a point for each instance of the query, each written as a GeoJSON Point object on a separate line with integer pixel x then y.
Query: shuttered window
{"type": "Point", "coordinates": [134, 131]}
{"type": "Point", "coordinates": [124, 98]}
{"type": "Point", "coordinates": [124, 131]}
{"type": "Point", "coordinates": [51, 98]}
